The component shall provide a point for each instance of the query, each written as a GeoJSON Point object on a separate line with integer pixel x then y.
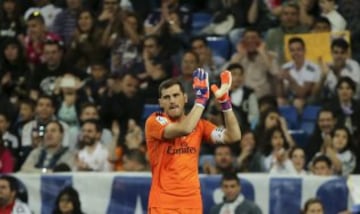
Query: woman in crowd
{"type": "Point", "coordinates": [68, 202]}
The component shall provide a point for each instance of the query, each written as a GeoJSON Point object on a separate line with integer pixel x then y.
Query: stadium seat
{"type": "Point", "coordinates": [220, 45]}
{"type": "Point", "coordinates": [308, 126]}
{"type": "Point", "coordinates": [310, 112]}
{"type": "Point", "coordinates": [199, 21]}
{"type": "Point", "coordinates": [291, 116]}
{"type": "Point", "coordinates": [309, 117]}
{"type": "Point", "coordinates": [300, 137]}
{"type": "Point", "coordinates": [149, 109]}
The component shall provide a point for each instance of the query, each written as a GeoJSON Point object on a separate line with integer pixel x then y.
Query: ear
{"type": "Point", "coordinates": [186, 98]}
{"type": "Point", "coordinates": [160, 103]}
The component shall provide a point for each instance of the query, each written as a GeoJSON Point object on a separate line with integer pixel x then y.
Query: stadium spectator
{"type": "Point", "coordinates": [10, 141]}
{"type": "Point", "coordinates": [299, 78]}
{"type": "Point", "coordinates": [85, 46]}
{"type": "Point", "coordinates": [224, 161]}
{"type": "Point", "coordinates": [90, 111]}
{"type": "Point", "coordinates": [68, 201]}
{"type": "Point", "coordinates": [33, 132]}
{"type": "Point", "coordinates": [275, 150]}
{"type": "Point", "coordinates": [125, 51]}
{"type": "Point", "coordinates": [190, 61]}
{"type": "Point", "coordinates": [96, 84]}
{"type": "Point", "coordinates": [259, 63]}
{"type": "Point", "coordinates": [124, 104]}
{"type": "Point", "coordinates": [345, 107]}
{"type": "Point", "coordinates": [313, 206]}
{"type": "Point", "coordinates": [328, 10]}
{"type": "Point", "coordinates": [135, 161]}
{"type": "Point", "coordinates": [342, 66]}
{"type": "Point", "coordinates": [25, 115]}
{"type": "Point", "coordinates": [134, 137]}
{"type": "Point", "coordinates": [268, 120]}
{"type": "Point", "coordinates": [322, 166]}
{"type": "Point", "coordinates": [325, 124]}
{"type": "Point", "coordinates": [234, 201]}
{"type": "Point", "coordinates": [208, 60]}
{"type": "Point", "coordinates": [14, 71]}
{"type": "Point", "coordinates": [7, 159]}
{"type": "Point", "coordinates": [298, 158]}
{"type": "Point", "coordinates": [47, 9]}
{"type": "Point", "coordinates": [249, 158]}
{"type": "Point", "coordinates": [50, 153]}
{"type": "Point", "coordinates": [37, 36]}
{"type": "Point", "coordinates": [289, 24]}
{"type": "Point", "coordinates": [11, 23]}
{"type": "Point", "coordinates": [65, 22]}
{"type": "Point", "coordinates": [340, 151]}
{"type": "Point", "coordinates": [9, 201]}
{"type": "Point", "coordinates": [92, 156]}
{"type": "Point", "coordinates": [321, 25]}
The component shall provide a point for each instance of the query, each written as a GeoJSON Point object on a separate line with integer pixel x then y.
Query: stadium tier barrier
{"type": "Point", "coordinates": [127, 193]}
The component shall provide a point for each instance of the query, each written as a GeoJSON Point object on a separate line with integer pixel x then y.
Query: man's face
{"type": "Point", "coordinates": [231, 189]}
{"type": "Point", "coordinates": [339, 56]}
{"type": "Point", "coordinates": [6, 195]}
{"type": "Point", "coordinates": [315, 208]}
{"type": "Point", "coordinates": [89, 134]}
{"type": "Point", "coordinates": [188, 64]}
{"type": "Point", "coordinates": [26, 112]}
{"type": "Point", "coordinates": [73, 4]}
{"type": "Point", "coordinates": [322, 169]}
{"type": "Point", "coordinates": [251, 41]}
{"type": "Point", "coordinates": [35, 28]}
{"type": "Point", "coordinates": [53, 135]}
{"type": "Point", "coordinates": [11, 52]}
{"type": "Point", "coordinates": [289, 17]}
{"type": "Point", "coordinates": [200, 48]}
{"type": "Point", "coordinates": [129, 86]}
{"type": "Point", "coordinates": [172, 100]}
{"type": "Point", "coordinates": [237, 78]}
{"type": "Point", "coordinates": [110, 5]}
{"type": "Point", "coordinates": [223, 157]}
{"type": "Point", "coordinates": [89, 112]}
{"type": "Point", "coordinates": [151, 47]}
{"type": "Point", "coordinates": [321, 27]}
{"type": "Point", "coordinates": [52, 54]}
{"type": "Point", "coordinates": [326, 122]}
{"type": "Point", "coordinates": [4, 124]}
{"type": "Point", "coordinates": [44, 109]}
{"type": "Point", "coordinates": [297, 51]}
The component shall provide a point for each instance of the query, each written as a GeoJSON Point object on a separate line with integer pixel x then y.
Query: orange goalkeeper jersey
{"type": "Point", "coordinates": [174, 163]}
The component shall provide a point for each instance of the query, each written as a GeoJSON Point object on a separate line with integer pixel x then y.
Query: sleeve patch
{"type": "Point", "coordinates": [162, 120]}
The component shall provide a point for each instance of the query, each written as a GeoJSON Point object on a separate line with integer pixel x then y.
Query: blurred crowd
{"type": "Point", "coordinates": [78, 76]}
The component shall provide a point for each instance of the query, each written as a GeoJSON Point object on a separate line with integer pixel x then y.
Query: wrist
{"type": "Point", "coordinates": [226, 106]}
{"type": "Point", "coordinates": [201, 102]}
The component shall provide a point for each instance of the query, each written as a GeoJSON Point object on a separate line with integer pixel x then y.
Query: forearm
{"type": "Point", "coordinates": [233, 133]}
{"type": "Point", "coordinates": [253, 12]}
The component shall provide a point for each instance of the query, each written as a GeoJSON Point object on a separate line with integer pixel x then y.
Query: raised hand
{"type": "Point", "coordinates": [222, 94]}
{"type": "Point", "coordinates": [201, 86]}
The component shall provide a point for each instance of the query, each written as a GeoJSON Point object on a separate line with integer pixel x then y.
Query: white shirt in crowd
{"type": "Point", "coordinates": [338, 23]}
{"type": "Point", "coordinates": [20, 208]}
{"type": "Point", "coordinates": [351, 69]}
{"type": "Point", "coordinates": [49, 12]}
{"type": "Point", "coordinates": [97, 160]}
{"type": "Point", "coordinates": [309, 72]}
{"type": "Point", "coordinates": [230, 207]}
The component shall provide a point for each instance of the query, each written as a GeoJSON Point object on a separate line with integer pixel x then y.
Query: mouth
{"type": "Point", "coordinates": [173, 107]}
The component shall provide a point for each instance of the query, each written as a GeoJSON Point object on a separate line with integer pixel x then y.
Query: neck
{"type": "Point", "coordinates": [91, 148]}
{"type": "Point", "coordinates": [53, 66]}
{"type": "Point", "coordinates": [53, 149]}
{"type": "Point", "coordinates": [299, 64]}
{"type": "Point", "coordinates": [346, 102]}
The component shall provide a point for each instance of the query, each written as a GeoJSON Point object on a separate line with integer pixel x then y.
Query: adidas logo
{"type": "Point", "coordinates": [198, 92]}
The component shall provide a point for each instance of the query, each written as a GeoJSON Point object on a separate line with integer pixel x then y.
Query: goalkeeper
{"type": "Point", "coordinates": [173, 140]}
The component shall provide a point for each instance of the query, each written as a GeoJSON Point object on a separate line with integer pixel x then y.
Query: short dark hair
{"type": "Point", "coordinates": [168, 83]}
{"type": "Point", "coordinates": [36, 15]}
{"type": "Point", "coordinates": [296, 40]}
{"type": "Point", "coordinates": [29, 102]}
{"type": "Point", "coordinates": [293, 149]}
{"type": "Point", "coordinates": [197, 58]}
{"type": "Point", "coordinates": [46, 97]}
{"type": "Point", "coordinates": [235, 66]}
{"type": "Point", "coordinates": [291, 4]}
{"type": "Point", "coordinates": [223, 146]}
{"type": "Point", "coordinates": [340, 43]}
{"type": "Point", "coordinates": [95, 122]}
{"type": "Point", "coordinates": [154, 37]}
{"type": "Point", "coordinates": [251, 29]}
{"type": "Point", "coordinates": [309, 202]}
{"type": "Point", "coordinates": [321, 19]}
{"type": "Point", "coordinates": [56, 42]}
{"type": "Point", "coordinates": [87, 105]}
{"type": "Point", "coordinates": [61, 128]}
{"type": "Point", "coordinates": [347, 80]}
{"type": "Point", "coordinates": [230, 176]}
{"type": "Point", "coordinates": [136, 155]}
{"type": "Point", "coordinates": [13, 182]}
{"type": "Point", "coordinates": [199, 38]}
{"type": "Point", "coordinates": [322, 158]}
